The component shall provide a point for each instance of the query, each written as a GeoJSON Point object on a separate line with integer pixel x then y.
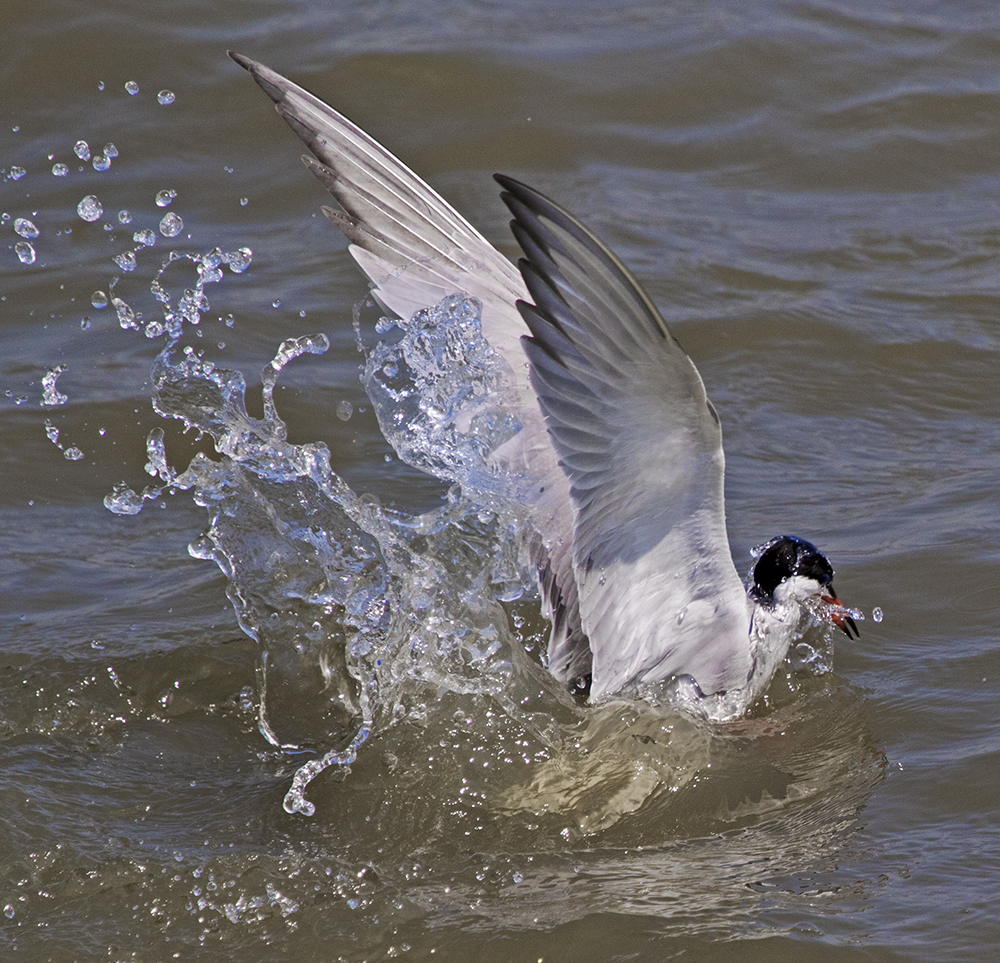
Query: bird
{"type": "Point", "coordinates": [620, 449]}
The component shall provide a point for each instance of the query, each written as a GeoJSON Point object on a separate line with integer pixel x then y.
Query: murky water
{"type": "Point", "coordinates": [809, 191]}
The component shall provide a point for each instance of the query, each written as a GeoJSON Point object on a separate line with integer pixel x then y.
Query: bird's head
{"type": "Point", "coordinates": [792, 569]}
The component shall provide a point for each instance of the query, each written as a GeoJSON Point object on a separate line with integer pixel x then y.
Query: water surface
{"type": "Point", "coordinates": [809, 192]}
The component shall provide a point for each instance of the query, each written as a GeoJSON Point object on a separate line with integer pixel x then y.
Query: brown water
{"type": "Point", "coordinates": [809, 191]}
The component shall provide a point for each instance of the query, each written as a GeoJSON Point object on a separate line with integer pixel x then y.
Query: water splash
{"type": "Point", "coordinates": [443, 397]}
{"type": "Point", "coordinates": [354, 606]}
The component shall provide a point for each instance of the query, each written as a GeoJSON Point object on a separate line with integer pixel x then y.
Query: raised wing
{"type": "Point", "coordinates": [413, 245]}
{"type": "Point", "coordinates": [642, 447]}
{"type": "Point", "coordinates": [416, 249]}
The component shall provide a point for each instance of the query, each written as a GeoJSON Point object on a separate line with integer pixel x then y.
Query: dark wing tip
{"type": "Point", "coordinates": [262, 74]}
{"type": "Point", "coordinates": [244, 62]}
{"type": "Point", "coordinates": [534, 212]}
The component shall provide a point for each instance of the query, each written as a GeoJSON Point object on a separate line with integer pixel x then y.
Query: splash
{"type": "Point", "coordinates": [356, 609]}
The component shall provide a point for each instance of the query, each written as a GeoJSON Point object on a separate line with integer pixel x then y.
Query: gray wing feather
{"type": "Point", "coordinates": [413, 245]}
{"type": "Point", "coordinates": [416, 249]}
{"type": "Point", "coordinates": [641, 444]}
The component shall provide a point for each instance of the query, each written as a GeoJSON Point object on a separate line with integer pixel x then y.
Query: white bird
{"type": "Point", "coordinates": [620, 446]}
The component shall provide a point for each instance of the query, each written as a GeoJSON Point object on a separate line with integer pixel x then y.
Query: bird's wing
{"type": "Point", "coordinates": [416, 249]}
{"type": "Point", "coordinates": [413, 245]}
{"type": "Point", "coordinates": [641, 445]}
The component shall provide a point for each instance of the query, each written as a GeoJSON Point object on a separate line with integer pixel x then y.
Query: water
{"type": "Point", "coordinates": [809, 193]}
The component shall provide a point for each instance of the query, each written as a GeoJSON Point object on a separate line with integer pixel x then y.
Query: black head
{"type": "Point", "coordinates": [783, 557]}
{"type": "Point", "coordinates": [787, 556]}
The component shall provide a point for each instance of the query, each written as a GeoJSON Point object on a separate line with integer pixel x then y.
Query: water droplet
{"type": "Point", "coordinates": [126, 260]}
{"type": "Point", "coordinates": [60, 170]}
{"type": "Point", "coordinates": [51, 396]}
{"type": "Point", "coordinates": [276, 303]}
{"type": "Point", "coordinates": [85, 324]}
{"type": "Point", "coordinates": [100, 85]}
{"type": "Point", "coordinates": [126, 316]}
{"type": "Point", "coordinates": [25, 228]}
{"type": "Point", "coordinates": [163, 198]}
{"type": "Point", "coordinates": [123, 501]}
{"type": "Point", "coordinates": [16, 173]}
{"type": "Point", "coordinates": [90, 208]}
{"type": "Point", "coordinates": [124, 217]}
{"type": "Point", "coordinates": [82, 150]}
{"type": "Point", "coordinates": [240, 261]}
{"type": "Point", "coordinates": [146, 238]}
{"type": "Point", "coordinates": [99, 300]}
{"type": "Point", "coordinates": [132, 87]}
{"type": "Point", "coordinates": [244, 201]}
{"type": "Point", "coordinates": [4, 218]}
{"type": "Point", "coordinates": [8, 911]}
{"type": "Point", "coordinates": [165, 97]}
{"type": "Point", "coordinates": [101, 162]}
{"type": "Point", "coordinates": [171, 225]}
{"type": "Point", "coordinates": [73, 454]}
{"type": "Point", "coordinates": [25, 252]}
{"type": "Point", "coordinates": [876, 614]}
{"type": "Point", "coordinates": [344, 410]}
{"type": "Point", "coordinates": [110, 150]}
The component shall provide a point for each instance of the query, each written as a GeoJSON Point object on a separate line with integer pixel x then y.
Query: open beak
{"type": "Point", "coordinates": [843, 622]}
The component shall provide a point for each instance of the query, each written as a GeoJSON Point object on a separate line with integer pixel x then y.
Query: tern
{"type": "Point", "coordinates": [620, 446]}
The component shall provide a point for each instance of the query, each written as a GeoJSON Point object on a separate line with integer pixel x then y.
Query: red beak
{"type": "Point", "coordinates": [843, 622]}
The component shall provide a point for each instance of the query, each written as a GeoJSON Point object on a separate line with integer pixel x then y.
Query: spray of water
{"type": "Point", "coordinates": [352, 605]}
